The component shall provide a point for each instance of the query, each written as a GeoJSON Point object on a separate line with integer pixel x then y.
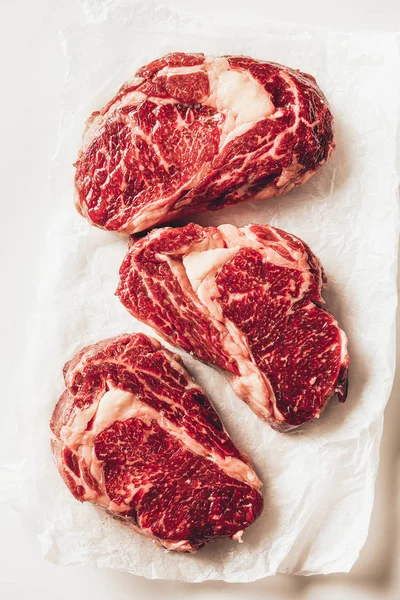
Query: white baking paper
{"type": "Point", "coordinates": [319, 481]}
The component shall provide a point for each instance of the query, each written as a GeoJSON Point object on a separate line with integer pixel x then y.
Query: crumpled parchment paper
{"type": "Point", "coordinates": [319, 481]}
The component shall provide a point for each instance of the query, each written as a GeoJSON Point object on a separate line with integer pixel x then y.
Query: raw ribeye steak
{"type": "Point", "coordinates": [135, 435]}
{"type": "Point", "coordinates": [249, 302]}
{"type": "Point", "coordinates": [190, 133]}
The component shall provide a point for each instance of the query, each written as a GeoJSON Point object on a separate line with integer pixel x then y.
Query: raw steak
{"type": "Point", "coordinates": [134, 434]}
{"type": "Point", "coordinates": [190, 133]}
{"type": "Point", "coordinates": [249, 302]}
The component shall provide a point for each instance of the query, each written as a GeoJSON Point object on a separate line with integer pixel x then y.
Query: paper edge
{"type": "Point", "coordinates": [41, 263]}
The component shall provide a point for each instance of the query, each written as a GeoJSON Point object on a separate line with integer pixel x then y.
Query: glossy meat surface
{"type": "Point", "coordinates": [249, 302]}
{"type": "Point", "coordinates": [190, 133]}
{"type": "Point", "coordinates": [134, 434]}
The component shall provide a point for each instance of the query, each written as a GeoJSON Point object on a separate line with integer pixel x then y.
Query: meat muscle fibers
{"type": "Point", "coordinates": [249, 302]}
{"type": "Point", "coordinates": [135, 435]}
{"type": "Point", "coordinates": [190, 133]}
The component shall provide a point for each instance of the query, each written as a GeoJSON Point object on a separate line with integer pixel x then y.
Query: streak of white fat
{"type": "Point", "coordinates": [182, 546]}
{"type": "Point", "coordinates": [168, 71]}
{"type": "Point", "coordinates": [201, 263]}
{"type": "Point", "coordinates": [161, 206]}
{"type": "Point", "coordinates": [119, 405]}
{"type": "Point", "coordinates": [237, 92]}
{"type": "Point", "coordinates": [179, 273]}
{"type": "Point", "coordinates": [234, 347]}
{"type": "Point", "coordinates": [232, 339]}
{"type": "Point", "coordinates": [146, 217]}
{"type": "Point", "coordinates": [231, 130]}
{"type": "Point", "coordinates": [300, 179]}
{"type": "Point", "coordinates": [207, 244]}
{"type": "Point", "coordinates": [288, 175]}
{"type": "Point", "coordinates": [125, 505]}
{"type": "Point", "coordinates": [251, 385]}
{"type": "Point", "coordinates": [78, 367]}
{"type": "Point", "coordinates": [272, 256]}
{"type": "Point", "coordinates": [239, 237]}
{"type": "Point", "coordinates": [88, 460]}
{"type": "Point", "coordinates": [90, 494]}
{"type": "Point", "coordinates": [244, 387]}
{"type": "Point", "coordinates": [208, 294]}
{"type": "Point", "coordinates": [237, 537]}
{"type": "Point", "coordinates": [299, 263]}
{"type": "Point", "coordinates": [230, 90]}
{"type": "Point", "coordinates": [344, 356]}
{"type": "Point", "coordinates": [93, 128]}
{"type": "Point", "coordinates": [175, 363]}
{"type": "Point", "coordinates": [116, 405]}
{"type": "Point", "coordinates": [113, 405]}
{"type": "Point", "coordinates": [233, 467]}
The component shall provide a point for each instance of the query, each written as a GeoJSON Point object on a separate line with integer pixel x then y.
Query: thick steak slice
{"type": "Point", "coordinates": [190, 133]}
{"type": "Point", "coordinates": [249, 302]}
{"type": "Point", "coordinates": [135, 435]}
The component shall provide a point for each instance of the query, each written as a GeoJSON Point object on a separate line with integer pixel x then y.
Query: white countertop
{"type": "Point", "coordinates": [32, 77]}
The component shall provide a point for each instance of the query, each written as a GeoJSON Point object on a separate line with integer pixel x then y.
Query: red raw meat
{"type": "Point", "coordinates": [249, 302]}
{"type": "Point", "coordinates": [135, 435]}
{"type": "Point", "coordinates": [190, 133]}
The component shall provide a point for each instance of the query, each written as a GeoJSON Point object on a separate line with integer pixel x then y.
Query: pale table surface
{"type": "Point", "coordinates": [32, 70]}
